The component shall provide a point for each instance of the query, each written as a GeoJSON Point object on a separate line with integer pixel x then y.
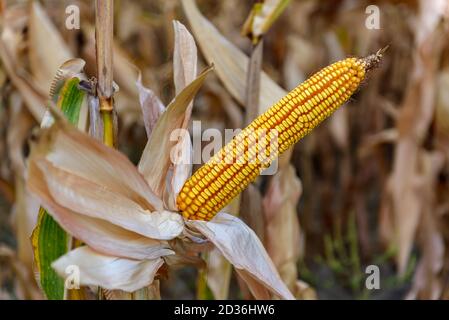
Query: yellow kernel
{"type": "Point", "coordinates": [296, 114]}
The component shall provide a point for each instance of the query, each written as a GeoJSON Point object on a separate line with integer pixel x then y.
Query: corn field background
{"type": "Point", "coordinates": [367, 188]}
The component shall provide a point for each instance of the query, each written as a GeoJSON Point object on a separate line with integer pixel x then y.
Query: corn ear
{"type": "Point", "coordinates": [239, 162]}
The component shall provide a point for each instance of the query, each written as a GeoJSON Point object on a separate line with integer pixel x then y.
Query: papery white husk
{"type": "Point", "coordinates": [241, 246]}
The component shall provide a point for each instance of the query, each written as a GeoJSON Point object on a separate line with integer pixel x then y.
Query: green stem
{"type": "Point", "coordinates": [108, 128]}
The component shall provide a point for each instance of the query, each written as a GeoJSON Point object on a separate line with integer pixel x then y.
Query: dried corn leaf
{"type": "Point", "coordinates": [426, 281]}
{"type": "Point", "coordinates": [282, 237]}
{"type": "Point", "coordinates": [33, 96]}
{"type": "Point", "coordinates": [185, 63]}
{"type": "Point", "coordinates": [230, 62]}
{"type": "Point", "coordinates": [47, 49]}
{"type": "Point", "coordinates": [184, 57]}
{"type": "Point", "coordinates": [159, 146]}
{"type": "Point", "coordinates": [404, 203]}
{"type": "Point", "coordinates": [151, 105]}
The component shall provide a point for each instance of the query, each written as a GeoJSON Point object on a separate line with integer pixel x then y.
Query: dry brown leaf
{"type": "Point", "coordinates": [160, 145]}
{"type": "Point", "coordinates": [304, 291]}
{"type": "Point", "coordinates": [185, 63]}
{"type": "Point", "coordinates": [371, 142]}
{"type": "Point", "coordinates": [230, 62]}
{"type": "Point", "coordinates": [151, 106]}
{"type": "Point", "coordinates": [34, 98]}
{"type": "Point", "coordinates": [442, 111]}
{"type": "Point", "coordinates": [25, 287]}
{"type": "Point", "coordinates": [20, 124]}
{"type": "Point", "coordinates": [282, 235]}
{"type": "Point", "coordinates": [46, 48]}
{"type": "Point", "coordinates": [404, 202]}
{"type": "Point", "coordinates": [184, 57]}
{"type": "Point", "coordinates": [252, 211]}
{"type": "Point", "coordinates": [426, 282]}
{"type": "Point", "coordinates": [219, 272]}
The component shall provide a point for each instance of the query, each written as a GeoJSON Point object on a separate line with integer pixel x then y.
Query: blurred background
{"type": "Point", "coordinates": [369, 187]}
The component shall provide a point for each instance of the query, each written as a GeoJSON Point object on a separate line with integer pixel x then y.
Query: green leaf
{"type": "Point", "coordinates": [49, 240]}
{"type": "Point", "coordinates": [71, 99]}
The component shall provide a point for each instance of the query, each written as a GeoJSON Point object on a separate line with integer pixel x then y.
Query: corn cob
{"type": "Point", "coordinates": [239, 163]}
